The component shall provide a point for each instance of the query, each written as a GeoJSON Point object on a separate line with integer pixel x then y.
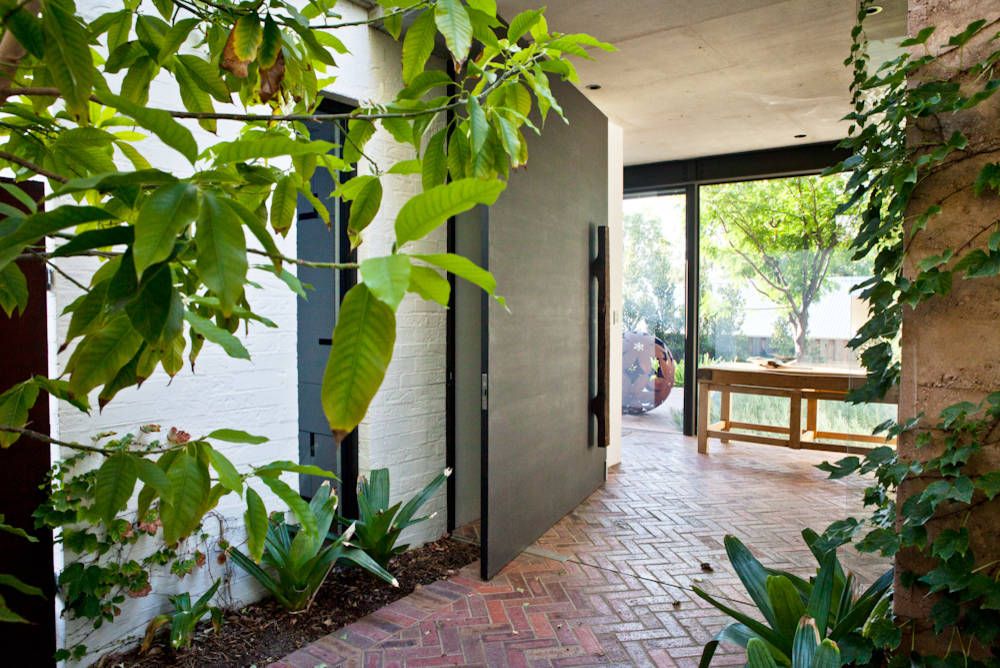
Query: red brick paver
{"type": "Point", "coordinates": [632, 551]}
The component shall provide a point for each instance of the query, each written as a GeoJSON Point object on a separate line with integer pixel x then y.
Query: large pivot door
{"type": "Point", "coordinates": [540, 455]}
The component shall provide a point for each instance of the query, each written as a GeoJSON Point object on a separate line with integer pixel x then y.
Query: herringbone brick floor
{"type": "Point", "coordinates": [609, 584]}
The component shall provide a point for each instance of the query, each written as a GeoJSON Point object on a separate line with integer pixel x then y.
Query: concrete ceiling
{"type": "Point", "coordinates": [705, 77]}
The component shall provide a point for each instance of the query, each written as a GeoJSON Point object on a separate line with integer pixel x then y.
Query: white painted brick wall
{"type": "Point", "coordinates": [405, 427]}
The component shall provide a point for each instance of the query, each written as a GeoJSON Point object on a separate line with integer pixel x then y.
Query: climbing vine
{"type": "Point", "coordinates": [903, 99]}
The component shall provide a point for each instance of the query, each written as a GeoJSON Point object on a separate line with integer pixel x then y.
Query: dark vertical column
{"type": "Point", "coordinates": [24, 465]}
{"type": "Point", "coordinates": [692, 289]}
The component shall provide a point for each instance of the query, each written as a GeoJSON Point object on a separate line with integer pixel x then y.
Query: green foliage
{"type": "Point", "coordinates": [883, 174]}
{"type": "Point", "coordinates": [299, 558]}
{"type": "Point", "coordinates": [811, 623]}
{"type": "Point", "coordinates": [13, 582]}
{"type": "Point", "coordinates": [784, 236]}
{"type": "Point", "coordinates": [650, 281]}
{"type": "Point", "coordinates": [379, 526]}
{"type": "Point", "coordinates": [184, 618]}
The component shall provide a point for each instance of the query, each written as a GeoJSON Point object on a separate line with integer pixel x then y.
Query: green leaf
{"type": "Point", "coordinates": [387, 278]}
{"type": "Point", "coordinates": [786, 603]}
{"type": "Point", "coordinates": [7, 580]}
{"type": "Point", "coordinates": [67, 56]}
{"type": "Point", "coordinates": [479, 127]}
{"type": "Point", "coordinates": [265, 147]}
{"type": "Point", "coordinates": [14, 406]}
{"type": "Point", "coordinates": [805, 643]}
{"type": "Point", "coordinates": [429, 210]}
{"type": "Point", "coordinates": [486, 6]}
{"type": "Point", "coordinates": [26, 27]}
{"type": "Point", "coordinates": [190, 486]}
{"type": "Point", "coordinates": [284, 466]}
{"type": "Point", "coordinates": [522, 23]}
{"type": "Point", "coordinates": [454, 24]}
{"type": "Point", "coordinates": [363, 339]}
{"type": "Point", "coordinates": [228, 475]}
{"type": "Point", "coordinates": [406, 167]}
{"type": "Point", "coordinates": [60, 390]}
{"type": "Point", "coordinates": [154, 304]}
{"type": "Point", "coordinates": [153, 476]}
{"type": "Point", "coordinates": [159, 122]}
{"type": "Point", "coordinates": [222, 252]}
{"type": "Point", "coordinates": [99, 356]}
{"type": "Point", "coordinates": [758, 655]}
{"type": "Point", "coordinates": [247, 36]}
{"type": "Point", "coordinates": [467, 269]}
{"type": "Point", "coordinates": [989, 177]}
{"type": "Point", "coordinates": [301, 509]}
{"type": "Point", "coordinates": [15, 234]}
{"type": "Point", "coordinates": [358, 134]}
{"type": "Point", "coordinates": [270, 45]}
{"type": "Point", "coordinates": [752, 574]}
{"type": "Point", "coordinates": [429, 284]}
{"type": "Point", "coordinates": [206, 76]}
{"type": "Point", "coordinates": [13, 290]}
{"type": "Point", "coordinates": [365, 196]}
{"type": "Point", "coordinates": [255, 519]}
{"type": "Point", "coordinates": [113, 486]}
{"type": "Point", "coordinates": [167, 212]}
{"type": "Point", "coordinates": [175, 37]}
{"type": "Point", "coordinates": [989, 483]}
{"type": "Point", "coordinates": [237, 436]}
{"type": "Point", "coordinates": [821, 597]}
{"type": "Point", "coordinates": [827, 656]}
{"type": "Point", "coordinates": [217, 335]}
{"type": "Point", "coordinates": [435, 163]}
{"type": "Point", "coordinates": [284, 203]}
{"type": "Point", "coordinates": [418, 45]}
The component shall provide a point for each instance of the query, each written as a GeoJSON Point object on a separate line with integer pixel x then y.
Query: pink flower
{"type": "Point", "coordinates": [178, 437]}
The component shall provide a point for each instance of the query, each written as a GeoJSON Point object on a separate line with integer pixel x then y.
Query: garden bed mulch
{"type": "Point", "coordinates": [265, 632]}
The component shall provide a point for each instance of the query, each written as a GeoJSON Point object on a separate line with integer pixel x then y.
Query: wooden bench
{"type": "Point", "coordinates": [798, 384]}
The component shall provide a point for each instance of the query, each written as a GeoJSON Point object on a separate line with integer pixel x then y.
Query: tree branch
{"type": "Point", "coordinates": [37, 169]}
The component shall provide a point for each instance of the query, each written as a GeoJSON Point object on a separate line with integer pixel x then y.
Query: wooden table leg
{"type": "Point", "coordinates": [703, 408]}
{"type": "Point", "coordinates": [795, 419]}
{"type": "Point", "coordinates": [811, 412]}
{"type": "Point", "coordinates": [724, 416]}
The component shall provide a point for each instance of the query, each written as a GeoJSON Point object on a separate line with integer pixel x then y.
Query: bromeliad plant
{"type": "Point", "coordinates": [817, 622]}
{"type": "Point", "coordinates": [298, 558]}
{"type": "Point", "coordinates": [184, 618]}
{"type": "Point", "coordinates": [379, 526]}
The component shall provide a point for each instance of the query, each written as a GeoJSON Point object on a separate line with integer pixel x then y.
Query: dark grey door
{"type": "Point", "coordinates": [538, 459]}
{"type": "Point", "coordinates": [317, 315]}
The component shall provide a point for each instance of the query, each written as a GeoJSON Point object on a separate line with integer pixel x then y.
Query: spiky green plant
{"type": "Point", "coordinates": [184, 618]}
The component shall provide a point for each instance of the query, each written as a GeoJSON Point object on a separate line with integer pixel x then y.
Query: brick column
{"type": "Point", "coordinates": [951, 344]}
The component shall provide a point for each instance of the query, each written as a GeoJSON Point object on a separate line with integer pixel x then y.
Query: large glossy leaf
{"type": "Point", "coordinates": [758, 656]}
{"type": "Point", "coordinates": [206, 76]}
{"type": "Point", "coordinates": [99, 357]}
{"type": "Point", "coordinates": [247, 36]}
{"type": "Point", "coordinates": [522, 23]}
{"type": "Point", "coordinates": [222, 252]}
{"type": "Point", "coordinates": [418, 45]}
{"type": "Point", "coordinates": [429, 210]}
{"type": "Point", "coordinates": [256, 524]}
{"type": "Point", "coordinates": [434, 165]}
{"type": "Point", "coordinates": [735, 633]}
{"type": "Point", "coordinates": [217, 335]}
{"type": "Point", "coordinates": [190, 486]}
{"type": "Point", "coordinates": [454, 24]}
{"type": "Point", "coordinates": [295, 503]}
{"type": "Point", "coordinates": [153, 475]}
{"type": "Point", "coordinates": [764, 632]}
{"type": "Point", "coordinates": [464, 268]}
{"type": "Point", "coordinates": [154, 304]}
{"type": "Point", "coordinates": [15, 233]}
{"type": "Point", "coordinates": [752, 574]}
{"type": "Point", "coordinates": [236, 436]}
{"type": "Point", "coordinates": [362, 348]}
{"type": "Point", "coordinates": [429, 284]}
{"type": "Point", "coordinates": [365, 203]}
{"type": "Point", "coordinates": [822, 592]}
{"type": "Point", "coordinates": [387, 277]}
{"type": "Point", "coordinates": [114, 485]}
{"type": "Point", "coordinates": [827, 656]}
{"type": "Point", "coordinates": [13, 290]}
{"type": "Point", "coordinates": [67, 55]}
{"type": "Point", "coordinates": [283, 204]}
{"type": "Point", "coordinates": [14, 406]}
{"type": "Point", "coordinates": [269, 146]}
{"type": "Point", "coordinates": [786, 603]}
{"type": "Point", "coordinates": [806, 643]}
{"type": "Point", "coordinates": [159, 122]}
{"type": "Point", "coordinates": [163, 216]}
{"type": "Point", "coordinates": [228, 475]}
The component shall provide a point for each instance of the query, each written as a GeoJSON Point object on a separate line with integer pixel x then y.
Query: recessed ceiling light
{"type": "Point", "coordinates": [871, 10]}
{"type": "Point", "coordinates": [593, 86]}
{"type": "Point", "coordinates": [801, 136]}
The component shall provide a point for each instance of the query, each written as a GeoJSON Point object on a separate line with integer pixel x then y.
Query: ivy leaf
{"type": "Point", "coordinates": [363, 339]}
{"type": "Point", "coordinates": [465, 268]}
{"type": "Point", "coordinates": [15, 404]}
{"type": "Point", "coordinates": [387, 278]}
{"type": "Point", "coordinates": [256, 524]}
{"type": "Point", "coordinates": [236, 436]}
{"type": "Point", "coordinates": [161, 219]}
{"type": "Point", "coordinates": [114, 485]}
{"type": "Point", "coordinates": [190, 486]}
{"type": "Point", "coordinates": [429, 210]}
{"type": "Point", "coordinates": [989, 483]}
{"type": "Point", "coordinates": [222, 252]}
{"type": "Point", "coordinates": [454, 24]}
{"type": "Point", "coordinates": [418, 45]}
{"type": "Point", "coordinates": [429, 284]}
{"type": "Point", "coordinates": [951, 542]}
{"type": "Point", "coordinates": [989, 177]}
{"type": "Point", "coordinates": [67, 56]}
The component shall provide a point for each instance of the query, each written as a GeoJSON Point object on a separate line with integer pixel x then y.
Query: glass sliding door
{"type": "Point", "coordinates": [653, 313]}
{"type": "Point", "coordinates": [776, 280]}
